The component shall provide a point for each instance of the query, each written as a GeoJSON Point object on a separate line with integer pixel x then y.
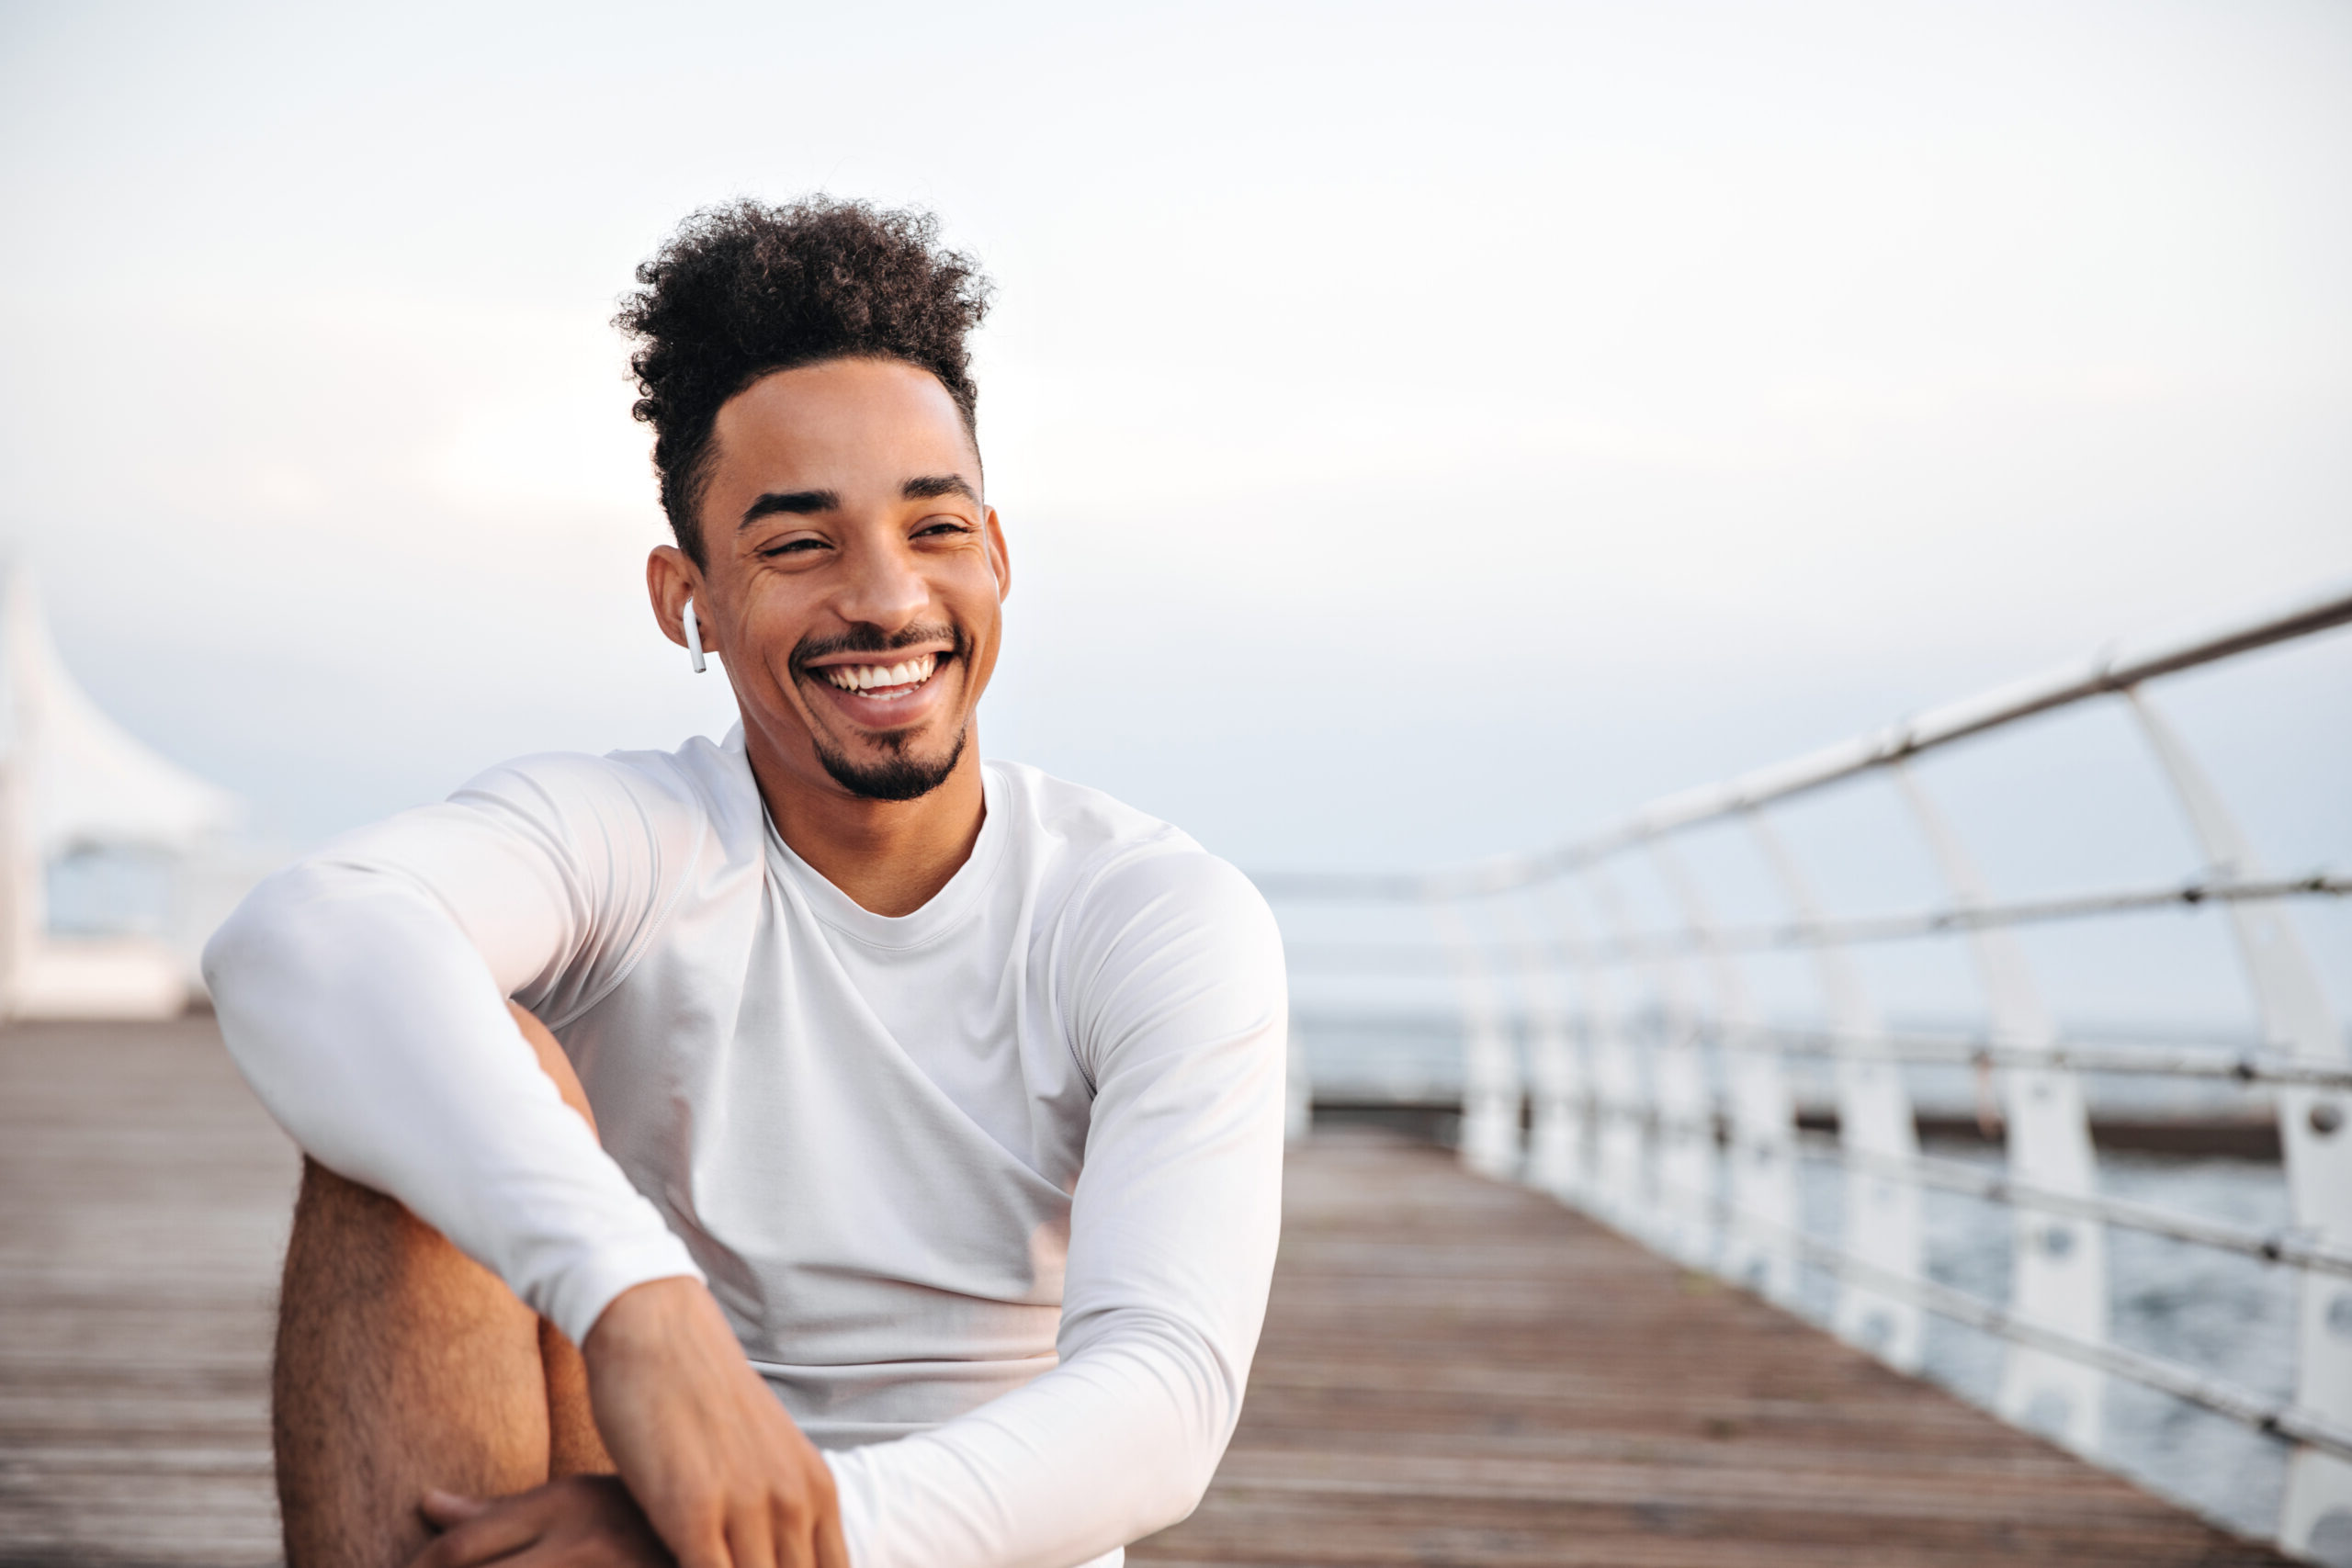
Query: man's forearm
{"type": "Point", "coordinates": [376, 1034]}
{"type": "Point", "coordinates": [1114, 1444]}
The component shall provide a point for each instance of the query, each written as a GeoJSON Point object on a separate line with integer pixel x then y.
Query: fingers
{"type": "Point", "coordinates": [576, 1521]}
{"type": "Point", "coordinates": [719, 1469]}
{"type": "Point", "coordinates": [832, 1546]}
{"type": "Point", "coordinates": [697, 1540]}
{"type": "Point", "coordinates": [811, 1520]}
{"type": "Point", "coordinates": [794, 1526]}
{"type": "Point", "coordinates": [445, 1510]}
{"type": "Point", "coordinates": [491, 1534]}
{"type": "Point", "coordinates": [752, 1541]}
{"type": "Point", "coordinates": [760, 1531]}
{"type": "Point", "coordinates": [806, 1522]}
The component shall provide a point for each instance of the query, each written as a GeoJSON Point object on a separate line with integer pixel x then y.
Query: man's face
{"type": "Point", "coordinates": [854, 575]}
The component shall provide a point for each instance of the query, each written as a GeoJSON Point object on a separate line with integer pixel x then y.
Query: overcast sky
{"type": "Point", "coordinates": [1421, 431]}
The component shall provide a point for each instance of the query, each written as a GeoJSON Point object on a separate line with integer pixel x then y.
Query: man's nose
{"type": "Point", "coordinates": [883, 588]}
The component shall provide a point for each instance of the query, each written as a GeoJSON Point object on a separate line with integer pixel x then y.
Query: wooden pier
{"type": "Point", "coordinates": [1463, 1373]}
{"type": "Point", "coordinates": [1453, 1371]}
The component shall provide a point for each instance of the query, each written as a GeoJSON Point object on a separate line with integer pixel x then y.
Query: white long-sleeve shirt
{"type": "Point", "coordinates": [989, 1192]}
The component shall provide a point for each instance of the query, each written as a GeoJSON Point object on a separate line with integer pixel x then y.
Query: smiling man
{"type": "Point", "coordinates": [896, 1135]}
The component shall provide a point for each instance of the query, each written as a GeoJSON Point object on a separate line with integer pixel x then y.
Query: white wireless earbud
{"type": "Point", "coordinates": [693, 638]}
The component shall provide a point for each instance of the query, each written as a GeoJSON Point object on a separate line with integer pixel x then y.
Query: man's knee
{"type": "Point", "coordinates": [351, 1237]}
{"type": "Point", "coordinates": [553, 1062]}
{"type": "Point", "coordinates": [340, 1224]}
{"type": "Point", "coordinates": [402, 1364]}
{"type": "Point", "coordinates": [352, 1247]}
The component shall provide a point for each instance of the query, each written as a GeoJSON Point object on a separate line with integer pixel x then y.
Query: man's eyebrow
{"type": "Point", "coordinates": [799, 503]}
{"type": "Point", "coordinates": [930, 487]}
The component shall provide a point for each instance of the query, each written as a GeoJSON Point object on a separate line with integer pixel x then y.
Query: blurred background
{"type": "Point", "coordinates": [1423, 432]}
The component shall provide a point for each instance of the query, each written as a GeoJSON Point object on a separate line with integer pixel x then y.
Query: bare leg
{"type": "Point", "coordinates": [574, 1446]}
{"type": "Point", "coordinates": [403, 1365]}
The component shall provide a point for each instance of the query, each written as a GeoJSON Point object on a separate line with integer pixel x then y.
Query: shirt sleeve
{"type": "Point", "coordinates": [1178, 1013]}
{"type": "Point", "coordinates": [362, 992]}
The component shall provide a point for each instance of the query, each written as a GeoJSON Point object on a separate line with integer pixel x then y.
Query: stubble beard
{"type": "Point", "coordinates": [896, 777]}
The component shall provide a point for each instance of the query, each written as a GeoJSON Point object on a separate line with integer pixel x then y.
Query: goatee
{"type": "Point", "coordinates": [899, 777]}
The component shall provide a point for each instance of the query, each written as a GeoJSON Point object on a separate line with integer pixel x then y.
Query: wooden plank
{"type": "Point", "coordinates": [1457, 1371]}
{"type": "Point", "coordinates": [143, 1205]}
{"type": "Point", "coordinates": [1453, 1372]}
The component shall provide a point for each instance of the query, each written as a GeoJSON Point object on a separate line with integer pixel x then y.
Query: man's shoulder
{"type": "Point", "coordinates": [1116, 860]}
{"type": "Point", "coordinates": [1076, 835]}
{"type": "Point", "coordinates": [701, 784]}
{"type": "Point", "coordinates": [1082, 819]}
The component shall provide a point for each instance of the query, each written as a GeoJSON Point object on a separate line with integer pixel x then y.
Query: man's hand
{"type": "Point", "coordinates": [584, 1521]}
{"type": "Point", "coordinates": [723, 1475]}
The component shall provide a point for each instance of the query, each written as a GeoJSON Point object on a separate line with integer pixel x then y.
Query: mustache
{"type": "Point", "coordinates": [874, 639]}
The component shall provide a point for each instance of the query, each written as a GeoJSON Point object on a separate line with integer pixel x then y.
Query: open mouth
{"type": "Point", "coordinates": [882, 682]}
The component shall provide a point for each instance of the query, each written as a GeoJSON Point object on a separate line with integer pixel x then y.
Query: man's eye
{"type": "Point", "coordinates": [943, 526]}
{"type": "Point", "coordinates": [794, 546]}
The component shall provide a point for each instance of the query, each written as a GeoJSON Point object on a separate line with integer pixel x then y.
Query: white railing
{"type": "Point", "coordinates": [1677, 1122]}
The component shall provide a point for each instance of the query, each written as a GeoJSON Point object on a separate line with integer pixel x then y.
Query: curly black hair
{"type": "Point", "coordinates": [746, 288]}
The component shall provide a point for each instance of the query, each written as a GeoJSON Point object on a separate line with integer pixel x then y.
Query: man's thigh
{"type": "Point", "coordinates": [405, 1365]}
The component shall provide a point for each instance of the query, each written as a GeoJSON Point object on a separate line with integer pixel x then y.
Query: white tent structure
{"type": "Point", "coordinates": [70, 780]}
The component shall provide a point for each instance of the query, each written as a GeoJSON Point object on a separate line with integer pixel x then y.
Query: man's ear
{"type": "Point", "coordinates": [1000, 559]}
{"type": "Point", "coordinates": [670, 579]}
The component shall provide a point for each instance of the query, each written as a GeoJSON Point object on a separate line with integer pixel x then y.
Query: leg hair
{"type": "Point", "coordinates": [403, 1365]}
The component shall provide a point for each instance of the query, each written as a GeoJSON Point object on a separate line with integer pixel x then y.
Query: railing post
{"type": "Point", "coordinates": [2058, 1267]}
{"type": "Point", "coordinates": [1683, 1143]}
{"type": "Point", "coordinates": [1758, 1250]}
{"type": "Point", "coordinates": [2312, 1138]}
{"type": "Point", "coordinates": [1491, 1091]}
{"type": "Point", "coordinates": [1873, 1118]}
{"type": "Point", "coordinates": [1556, 1155]}
{"type": "Point", "coordinates": [1621, 1192]}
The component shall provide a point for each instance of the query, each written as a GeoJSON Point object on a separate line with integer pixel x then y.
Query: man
{"type": "Point", "coordinates": [896, 1136]}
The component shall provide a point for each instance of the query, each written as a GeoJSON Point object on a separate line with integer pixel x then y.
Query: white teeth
{"type": "Point", "coordinates": [868, 677]}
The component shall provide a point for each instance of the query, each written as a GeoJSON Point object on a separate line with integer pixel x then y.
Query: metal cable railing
{"type": "Point", "coordinates": [2274, 1417]}
{"type": "Point", "coordinates": [2240, 1066]}
{"type": "Point", "coordinates": [1952, 1176]}
{"type": "Point", "coordinates": [2110, 671]}
{"type": "Point", "coordinates": [2243, 1065]}
{"type": "Point", "coordinates": [1678, 1123]}
{"type": "Point", "coordinates": [1646, 947]}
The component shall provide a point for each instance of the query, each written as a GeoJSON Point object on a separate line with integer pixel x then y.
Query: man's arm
{"type": "Point", "coordinates": [1176, 990]}
{"type": "Point", "coordinates": [363, 995]}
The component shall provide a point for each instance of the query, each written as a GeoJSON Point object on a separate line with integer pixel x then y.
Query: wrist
{"type": "Point", "coordinates": [649, 1315]}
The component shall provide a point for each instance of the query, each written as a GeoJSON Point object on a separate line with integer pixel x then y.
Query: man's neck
{"type": "Point", "coordinates": [888, 856]}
